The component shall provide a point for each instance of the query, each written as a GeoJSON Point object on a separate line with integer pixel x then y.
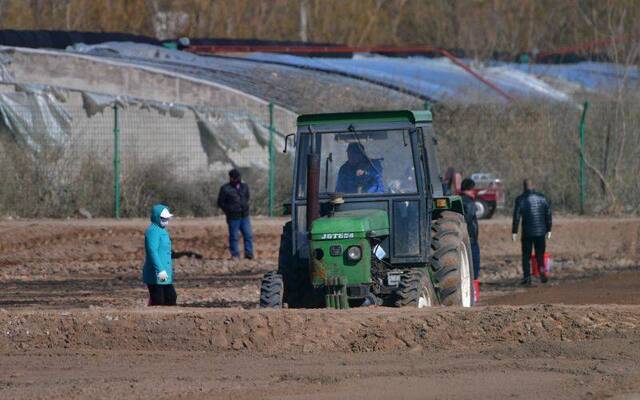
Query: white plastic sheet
{"type": "Point", "coordinates": [35, 118]}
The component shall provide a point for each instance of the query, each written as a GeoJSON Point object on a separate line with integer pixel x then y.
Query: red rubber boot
{"type": "Point", "coordinates": [476, 290]}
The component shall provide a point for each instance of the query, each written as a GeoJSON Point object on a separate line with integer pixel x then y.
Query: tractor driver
{"type": "Point", "coordinates": [359, 174]}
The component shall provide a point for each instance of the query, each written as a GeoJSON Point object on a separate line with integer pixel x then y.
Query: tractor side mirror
{"type": "Point", "coordinates": [286, 141]}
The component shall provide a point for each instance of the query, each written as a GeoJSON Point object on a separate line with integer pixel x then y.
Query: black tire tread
{"type": "Point", "coordinates": [412, 284]}
{"type": "Point", "coordinates": [447, 234]}
{"type": "Point", "coordinates": [294, 278]}
{"type": "Point", "coordinates": [271, 290]}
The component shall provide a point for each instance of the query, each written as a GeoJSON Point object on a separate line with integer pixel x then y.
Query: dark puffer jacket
{"type": "Point", "coordinates": [535, 211]}
{"type": "Point", "coordinates": [234, 202]}
{"type": "Point", "coordinates": [470, 217]}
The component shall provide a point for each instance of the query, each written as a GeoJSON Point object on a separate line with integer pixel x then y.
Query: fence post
{"type": "Point", "coordinates": [116, 162]}
{"type": "Point", "coordinates": [272, 161]}
{"type": "Point", "coordinates": [582, 177]}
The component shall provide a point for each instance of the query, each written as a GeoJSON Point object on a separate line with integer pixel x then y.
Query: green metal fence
{"type": "Point", "coordinates": [69, 153]}
{"type": "Point", "coordinates": [118, 160]}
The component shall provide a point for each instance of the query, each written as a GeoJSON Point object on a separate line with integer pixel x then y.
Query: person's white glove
{"type": "Point", "coordinates": [162, 275]}
{"type": "Point", "coordinates": [548, 235]}
{"type": "Point", "coordinates": [514, 236]}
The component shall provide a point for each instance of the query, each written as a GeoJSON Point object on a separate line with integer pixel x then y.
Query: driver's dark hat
{"type": "Point", "coordinates": [356, 147]}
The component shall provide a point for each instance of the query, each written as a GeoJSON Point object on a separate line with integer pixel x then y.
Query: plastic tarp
{"type": "Point", "coordinates": [226, 137]}
{"type": "Point", "coordinates": [62, 39]}
{"type": "Point", "coordinates": [445, 80]}
{"type": "Point", "coordinates": [234, 139]}
{"type": "Point", "coordinates": [593, 76]}
{"type": "Point", "coordinates": [5, 74]}
{"type": "Point", "coordinates": [434, 78]}
{"type": "Point", "coordinates": [437, 79]}
{"type": "Point", "coordinates": [35, 117]}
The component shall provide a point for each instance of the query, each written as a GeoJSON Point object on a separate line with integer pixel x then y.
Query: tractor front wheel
{"type": "Point", "coordinates": [271, 290]}
{"type": "Point", "coordinates": [415, 290]}
{"type": "Point", "coordinates": [451, 260]}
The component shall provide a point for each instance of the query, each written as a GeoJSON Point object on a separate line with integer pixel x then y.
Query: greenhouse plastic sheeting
{"type": "Point", "coordinates": [594, 76]}
{"type": "Point", "coordinates": [433, 78]}
{"type": "Point", "coordinates": [279, 84]}
{"type": "Point", "coordinates": [35, 118]}
{"type": "Point", "coordinates": [436, 78]}
{"type": "Point", "coordinates": [5, 75]}
{"type": "Point", "coordinates": [246, 147]}
{"type": "Point", "coordinates": [34, 115]}
{"type": "Point", "coordinates": [445, 80]}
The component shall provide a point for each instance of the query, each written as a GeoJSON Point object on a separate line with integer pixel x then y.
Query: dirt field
{"type": "Point", "coordinates": [74, 323]}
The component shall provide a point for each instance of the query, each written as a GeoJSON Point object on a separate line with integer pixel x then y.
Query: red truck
{"type": "Point", "coordinates": [489, 192]}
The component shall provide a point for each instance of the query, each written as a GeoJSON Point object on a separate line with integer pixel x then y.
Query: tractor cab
{"type": "Point", "coordinates": [366, 190]}
{"type": "Point", "coordinates": [372, 161]}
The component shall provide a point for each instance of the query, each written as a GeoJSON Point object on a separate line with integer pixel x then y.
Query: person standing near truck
{"type": "Point", "coordinates": [535, 211]}
{"type": "Point", "coordinates": [470, 217]}
{"type": "Point", "coordinates": [233, 199]}
{"type": "Point", "coordinates": [157, 272]}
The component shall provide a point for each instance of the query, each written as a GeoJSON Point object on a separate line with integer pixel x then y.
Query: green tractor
{"type": "Point", "coordinates": [371, 223]}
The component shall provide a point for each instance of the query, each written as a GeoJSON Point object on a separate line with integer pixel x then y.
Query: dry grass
{"type": "Point", "coordinates": [480, 27]}
{"type": "Point", "coordinates": [541, 141]}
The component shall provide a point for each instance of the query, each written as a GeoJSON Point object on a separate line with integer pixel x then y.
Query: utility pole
{"type": "Point", "coordinates": [304, 8]}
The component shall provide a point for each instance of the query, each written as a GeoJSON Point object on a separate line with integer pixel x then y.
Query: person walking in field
{"type": "Point", "coordinates": [468, 201]}
{"type": "Point", "coordinates": [534, 210]}
{"type": "Point", "coordinates": [233, 199]}
{"type": "Point", "coordinates": [157, 272]}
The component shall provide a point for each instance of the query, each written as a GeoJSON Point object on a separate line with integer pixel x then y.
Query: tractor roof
{"type": "Point", "coordinates": [365, 117]}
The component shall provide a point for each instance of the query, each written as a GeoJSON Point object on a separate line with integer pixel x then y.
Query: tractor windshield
{"type": "Point", "coordinates": [363, 162]}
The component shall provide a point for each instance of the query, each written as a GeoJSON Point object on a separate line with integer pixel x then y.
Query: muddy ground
{"type": "Point", "coordinates": [74, 323]}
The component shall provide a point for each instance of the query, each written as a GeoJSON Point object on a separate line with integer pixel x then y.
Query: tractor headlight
{"type": "Point", "coordinates": [354, 253]}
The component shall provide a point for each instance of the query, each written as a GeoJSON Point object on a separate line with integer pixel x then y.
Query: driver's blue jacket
{"type": "Point", "coordinates": [350, 182]}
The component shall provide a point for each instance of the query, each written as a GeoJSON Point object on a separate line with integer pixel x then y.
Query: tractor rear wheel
{"type": "Point", "coordinates": [271, 290]}
{"type": "Point", "coordinates": [415, 290]}
{"type": "Point", "coordinates": [295, 278]}
{"type": "Point", "coordinates": [451, 260]}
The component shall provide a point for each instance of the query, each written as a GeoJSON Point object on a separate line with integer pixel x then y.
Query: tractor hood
{"type": "Point", "coordinates": [355, 224]}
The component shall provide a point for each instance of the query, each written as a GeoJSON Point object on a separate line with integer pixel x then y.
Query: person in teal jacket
{"type": "Point", "coordinates": [157, 272]}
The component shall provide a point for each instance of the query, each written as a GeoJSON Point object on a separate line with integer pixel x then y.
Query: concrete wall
{"type": "Point", "coordinates": [145, 134]}
{"type": "Point", "coordinates": [94, 74]}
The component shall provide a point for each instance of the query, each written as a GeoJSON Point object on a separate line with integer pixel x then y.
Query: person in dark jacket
{"type": "Point", "coordinates": [359, 174]}
{"type": "Point", "coordinates": [471, 219]}
{"type": "Point", "coordinates": [157, 272]}
{"type": "Point", "coordinates": [535, 211]}
{"type": "Point", "coordinates": [233, 199]}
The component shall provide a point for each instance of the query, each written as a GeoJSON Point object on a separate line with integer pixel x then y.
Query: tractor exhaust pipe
{"type": "Point", "coordinates": [313, 187]}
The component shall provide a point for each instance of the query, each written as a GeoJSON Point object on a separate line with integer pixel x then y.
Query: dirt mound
{"type": "Point", "coordinates": [72, 296]}
{"type": "Point", "coordinates": [311, 331]}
